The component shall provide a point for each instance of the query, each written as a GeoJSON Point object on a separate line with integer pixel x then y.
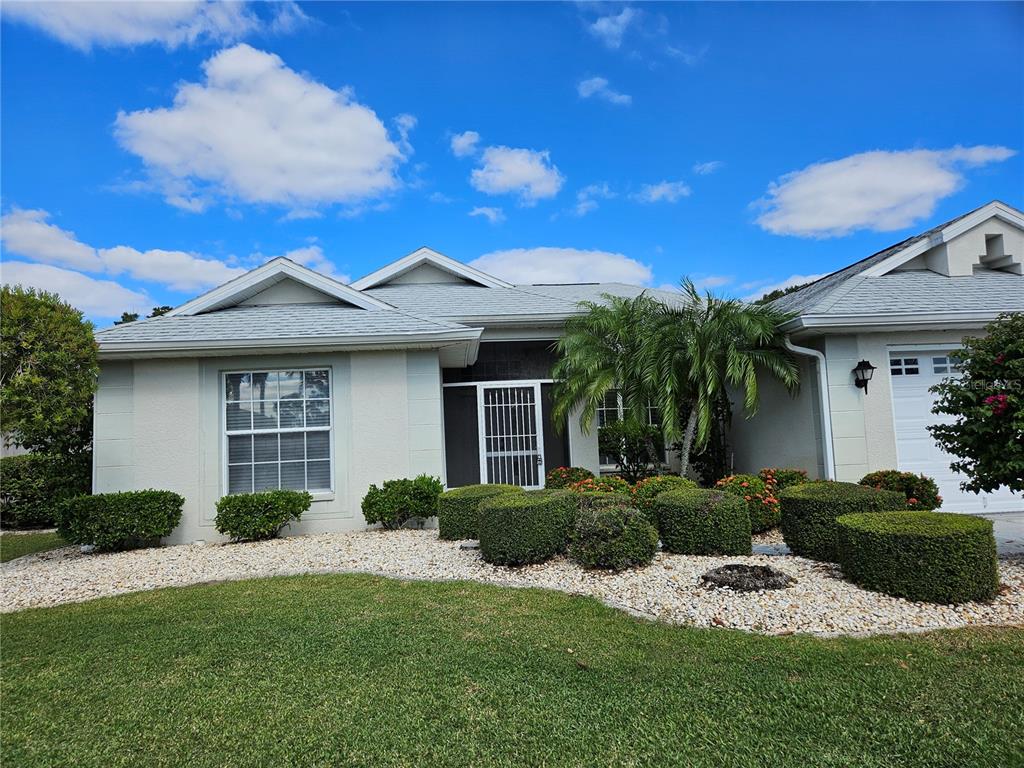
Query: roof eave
{"type": "Point", "coordinates": [889, 321]}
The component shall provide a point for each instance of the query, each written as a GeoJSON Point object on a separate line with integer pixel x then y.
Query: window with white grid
{"type": "Point", "coordinates": [278, 430]}
{"type": "Point", "coordinates": [904, 366]}
{"type": "Point", "coordinates": [611, 410]}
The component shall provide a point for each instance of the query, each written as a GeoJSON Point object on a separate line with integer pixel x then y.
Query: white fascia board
{"type": "Point", "coordinates": [434, 340]}
{"type": "Point", "coordinates": [513, 321]}
{"type": "Point", "coordinates": [997, 209]}
{"type": "Point", "coordinates": [276, 269]}
{"type": "Point", "coordinates": [432, 257]}
{"type": "Point", "coordinates": [894, 321]}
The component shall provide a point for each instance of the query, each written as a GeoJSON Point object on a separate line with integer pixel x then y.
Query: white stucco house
{"type": "Point", "coordinates": [284, 377]}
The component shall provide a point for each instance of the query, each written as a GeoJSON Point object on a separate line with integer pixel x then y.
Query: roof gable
{"type": "Point", "coordinates": [426, 265]}
{"type": "Point", "coordinates": [257, 281]}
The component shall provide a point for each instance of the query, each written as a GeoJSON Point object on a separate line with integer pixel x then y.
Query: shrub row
{"type": "Point", "coordinates": [759, 497]}
{"type": "Point", "coordinates": [942, 558]}
{"type": "Point", "coordinates": [613, 537]}
{"type": "Point", "coordinates": [703, 522]}
{"type": "Point", "coordinates": [921, 491]}
{"type": "Point", "coordinates": [36, 484]}
{"type": "Point", "coordinates": [524, 528]}
{"type": "Point", "coordinates": [114, 521]}
{"type": "Point", "coordinates": [457, 509]}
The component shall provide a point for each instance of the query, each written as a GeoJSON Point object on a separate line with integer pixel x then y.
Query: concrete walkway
{"type": "Point", "coordinates": [1008, 528]}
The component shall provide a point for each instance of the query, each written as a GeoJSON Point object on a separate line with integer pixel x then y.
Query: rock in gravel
{"type": "Point", "coordinates": [746, 578]}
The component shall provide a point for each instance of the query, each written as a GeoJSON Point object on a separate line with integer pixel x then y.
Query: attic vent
{"type": "Point", "coordinates": [996, 256]}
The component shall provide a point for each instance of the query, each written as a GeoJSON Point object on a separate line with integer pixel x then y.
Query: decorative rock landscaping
{"type": "Point", "coordinates": [820, 602]}
{"type": "Point", "coordinates": [746, 578]}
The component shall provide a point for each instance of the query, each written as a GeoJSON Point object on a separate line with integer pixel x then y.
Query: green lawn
{"type": "Point", "coordinates": [16, 545]}
{"type": "Point", "coordinates": [362, 671]}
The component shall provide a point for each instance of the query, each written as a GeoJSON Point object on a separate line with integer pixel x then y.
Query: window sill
{"type": "Point", "coordinates": [323, 496]}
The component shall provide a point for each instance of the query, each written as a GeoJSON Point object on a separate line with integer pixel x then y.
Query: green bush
{"type": "Point", "coordinates": [458, 508]}
{"type": "Point", "coordinates": [645, 491]}
{"type": "Point", "coordinates": [256, 516]}
{"type": "Point", "coordinates": [929, 556]}
{"type": "Point", "coordinates": [607, 484]}
{"type": "Point", "coordinates": [35, 484]}
{"type": "Point", "coordinates": [703, 522]}
{"type": "Point", "coordinates": [126, 520]}
{"type": "Point", "coordinates": [762, 506]}
{"type": "Point", "coordinates": [782, 477]}
{"type": "Point", "coordinates": [521, 528]}
{"type": "Point", "coordinates": [809, 513]}
{"type": "Point", "coordinates": [563, 477]}
{"type": "Point", "coordinates": [600, 500]}
{"type": "Point", "coordinates": [398, 501]}
{"type": "Point", "coordinates": [921, 492]}
{"type": "Point", "coordinates": [614, 537]}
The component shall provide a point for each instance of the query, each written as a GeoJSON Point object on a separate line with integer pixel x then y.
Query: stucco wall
{"type": "Point", "coordinates": [159, 425]}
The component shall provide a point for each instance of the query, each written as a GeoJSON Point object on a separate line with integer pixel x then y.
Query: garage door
{"type": "Point", "coordinates": [912, 373]}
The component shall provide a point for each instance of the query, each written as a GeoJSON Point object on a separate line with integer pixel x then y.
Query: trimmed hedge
{"type": "Point", "coordinates": [809, 513]}
{"type": "Point", "coordinates": [126, 520]}
{"type": "Point", "coordinates": [921, 491]}
{"type": "Point", "coordinates": [35, 484]}
{"type": "Point", "coordinates": [458, 508]}
{"type": "Point", "coordinates": [397, 502]}
{"type": "Point", "coordinates": [782, 477]}
{"type": "Point", "coordinates": [703, 522]}
{"type": "Point", "coordinates": [530, 527]}
{"type": "Point", "coordinates": [599, 500]}
{"type": "Point", "coordinates": [563, 477]}
{"type": "Point", "coordinates": [613, 537]}
{"type": "Point", "coordinates": [646, 490]}
{"type": "Point", "coordinates": [759, 497]}
{"type": "Point", "coordinates": [928, 556]}
{"type": "Point", "coordinates": [262, 515]}
{"type": "Point", "coordinates": [606, 484]}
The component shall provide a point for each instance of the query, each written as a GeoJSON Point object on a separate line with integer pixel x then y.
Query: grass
{"type": "Point", "coordinates": [16, 545]}
{"type": "Point", "coordinates": [357, 670]}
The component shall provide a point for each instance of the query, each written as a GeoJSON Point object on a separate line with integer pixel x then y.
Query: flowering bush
{"type": "Point", "coordinates": [645, 491]}
{"type": "Point", "coordinates": [782, 478]}
{"type": "Point", "coordinates": [562, 477]}
{"type": "Point", "coordinates": [921, 491]}
{"type": "Point", "coordinates": [609, 484]}
{"type": "Point", "coordinates": [762, 505]}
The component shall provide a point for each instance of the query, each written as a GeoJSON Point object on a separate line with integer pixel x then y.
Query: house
{"type": "Point", "coordinates": [903, 310]}
{"type": "Point", "coordinates": [286, 378]}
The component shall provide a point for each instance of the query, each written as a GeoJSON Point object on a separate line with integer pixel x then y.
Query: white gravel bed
{"type": "Point", "coordinates": [820, 602]}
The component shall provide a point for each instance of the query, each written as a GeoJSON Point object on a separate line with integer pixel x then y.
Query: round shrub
{"type": "Point", "coordinates": [613, 537]}
{"type": "Point", "coordinates": [457, 509]}
{"type": "Point", "coordinates": [530, 527]}
{"type": "Point", "coordinates": [35, 484]}
{"type": "Point", "coordinates": [782, 477]}
{"type": "Point", "coordinates": [600, 500]}
{"type": "Point", "coordinates": [646, 490]}
{"type": "Point", "coordinates": [762, 506]}
{"type": "Point", "coordinates": [256, 516]}
{"type": "Point", "coordinates": [703, 522]}
{"type": "Point", "coordinates": [606, 484]}
{"type": "Point", "coordinates": [397, 502]}
{"type": "Point", "coordinates": [809, 513]}
{"type": "Point", "coordinates": [920, 490]}
{"type": "Point", "coordinates": [563, 477]}
{"type": "Point", "coordinates": [928, 556]}
{"type": "Point", "coordinates": [126, 520]}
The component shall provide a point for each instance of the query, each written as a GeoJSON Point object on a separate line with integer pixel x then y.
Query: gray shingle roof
{"type": "Point", "coordinates": [283, 321]}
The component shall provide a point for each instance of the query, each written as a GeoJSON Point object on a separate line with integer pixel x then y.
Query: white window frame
{"type": "Point", "coordinates": [320, 495]}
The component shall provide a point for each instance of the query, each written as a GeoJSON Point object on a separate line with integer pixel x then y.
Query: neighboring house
{"type": "Point", "coordinates": [903, 310]}
{"type": "Point", "coordinates": [286, 378]}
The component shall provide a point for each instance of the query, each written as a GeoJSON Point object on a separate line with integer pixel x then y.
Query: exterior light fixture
{"type": "Point", "coordinates": [862, 374]}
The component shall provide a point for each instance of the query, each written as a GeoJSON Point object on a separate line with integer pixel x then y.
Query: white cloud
{"type": "Point", "coordinates": [27, 233]}
{"type": "Point", "coordinates": [493, 215]}
{"type": "Point", "coordinates": [663, 192]}
{"type": "Point", "coordinates": [404, 124]}
{"type": "Point", "coordinates": [178, 270]}
{"type": "Point", "coordinates": [586, 198]}
{"type": "Point", "coordinates": [879, 190]}
{"type": "Point", "coordinates": [83, 25]}
{"type": "Point", "coordinates": [703, 169]}
{"type": "Point", "coordinates": [98, 298]}
{"type": "Point", "coordinates": [529, 173]}
{"type": "Point", "coordinates": [259, 132]}
{"type": "Point", "coordinates": [465, 143]}
{"type": "Point", "coordinates": [789, 282]}
{"type": "Point", "coordinates": [562, 265]}
{"type": "Point", "coordinates": [690, 58]}
{"type": "Point", "coordinates": [610, 29]}
{"type": "Point", "coordinates": [313, 256]}
{"type": "Point", "coordinates": [711, 281]}
{"type": "Point", "coordinates": [598, 87]}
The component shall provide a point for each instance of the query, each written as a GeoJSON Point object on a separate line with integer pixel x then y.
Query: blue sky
{"type": "Point", "coordinates": [152, 151]}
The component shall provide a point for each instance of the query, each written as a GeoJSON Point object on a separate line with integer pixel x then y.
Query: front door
{"type": "Point", "coordinates": [511, 437]}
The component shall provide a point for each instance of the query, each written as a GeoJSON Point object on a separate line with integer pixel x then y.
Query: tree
{"type": "Point", "coordinates": [986, 402]}
{"type": "Point", "coordinates": [778, 293]}
{"type": "Point", "coordinates": [48, 372]}
{"type": "Point", "coordinates": [127, 317]}
{"type": "Point", "coordinates": [704, 345]}
{"type": "Point", "coordinates": [161, 310]}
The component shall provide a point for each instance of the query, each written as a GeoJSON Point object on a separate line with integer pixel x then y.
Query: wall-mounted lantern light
{"type": "Point", "coordinates": [862, 374]}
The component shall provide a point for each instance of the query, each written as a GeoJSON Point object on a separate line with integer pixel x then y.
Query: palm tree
{"type": "Point", "coordinates": [701, 347]}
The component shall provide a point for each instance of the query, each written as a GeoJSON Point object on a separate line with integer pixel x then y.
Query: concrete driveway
{"type": "Point", "coordinates": [1008, 528]}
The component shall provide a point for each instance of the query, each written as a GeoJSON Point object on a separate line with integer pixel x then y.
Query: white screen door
{"type": "Point", "coordinates": [511, 435]}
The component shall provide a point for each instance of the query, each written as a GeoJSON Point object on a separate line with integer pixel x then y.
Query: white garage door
{"type": "Point", "coordinates": [912, 373]}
